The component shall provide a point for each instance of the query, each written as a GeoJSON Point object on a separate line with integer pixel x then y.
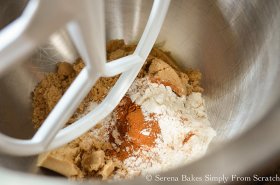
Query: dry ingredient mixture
{"type": "Point", "coordinates": [160, 124]}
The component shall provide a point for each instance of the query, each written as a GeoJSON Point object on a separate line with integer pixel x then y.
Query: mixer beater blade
{"type": "Point", "coordinates": [85, 23]}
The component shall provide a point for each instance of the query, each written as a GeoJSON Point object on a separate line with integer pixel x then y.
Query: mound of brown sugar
{"type": "Point", "coordinates": [86, 156]}
{"type": "Point", "coordinates": [53, 86]}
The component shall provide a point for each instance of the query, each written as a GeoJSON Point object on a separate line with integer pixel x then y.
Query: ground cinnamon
{"type": "Point", "coordinates": [188, 137]}
{"type": "Point", "coordinates": [135, 131]}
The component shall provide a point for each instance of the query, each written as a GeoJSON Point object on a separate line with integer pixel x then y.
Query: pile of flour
{"type": "Point", "coordinates": [185, 129]}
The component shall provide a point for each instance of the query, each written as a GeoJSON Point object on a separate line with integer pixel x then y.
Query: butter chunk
{"type": "Point", "coordinates": [108, 169]}
{"type": "Point", "coordinates": [61, 161]}
{"type": "Point", "coordinates": [163, 73]}
{"type": "Point", "coordinates": [93, 161]}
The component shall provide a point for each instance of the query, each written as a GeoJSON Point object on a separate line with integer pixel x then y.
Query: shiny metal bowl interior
{"type": "Point", "coordinates": [235, 44]}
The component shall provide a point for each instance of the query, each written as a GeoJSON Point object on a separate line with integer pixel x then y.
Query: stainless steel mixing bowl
{"type": "Point", "coordinates": [236, 45]}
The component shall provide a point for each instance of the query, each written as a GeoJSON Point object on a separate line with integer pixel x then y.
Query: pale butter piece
{"type": "Point", "coordinates": [93, 161]}
{"type": "Point", "coordinates": [61, 161]}
{"type": "Point", "coordinates": [108, 169]}
{"type": "Point", "coordinates": [165, 74]}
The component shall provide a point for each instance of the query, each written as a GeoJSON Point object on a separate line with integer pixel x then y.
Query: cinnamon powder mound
{"type": "Point", "coordinates": [130, 123]}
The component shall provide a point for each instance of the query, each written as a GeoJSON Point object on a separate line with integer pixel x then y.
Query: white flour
{"type": "Point", "coordinates": [185, 128]}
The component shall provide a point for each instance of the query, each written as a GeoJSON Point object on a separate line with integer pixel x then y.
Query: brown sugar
{"type": "Point", "coordinates": [54, 85]}
{"type": "Point", "coordinates": [194, 80]}
{"type": "Point", "coordinates": [64, 69]}
{"type": "Point", "coordinates": [113, 45]}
